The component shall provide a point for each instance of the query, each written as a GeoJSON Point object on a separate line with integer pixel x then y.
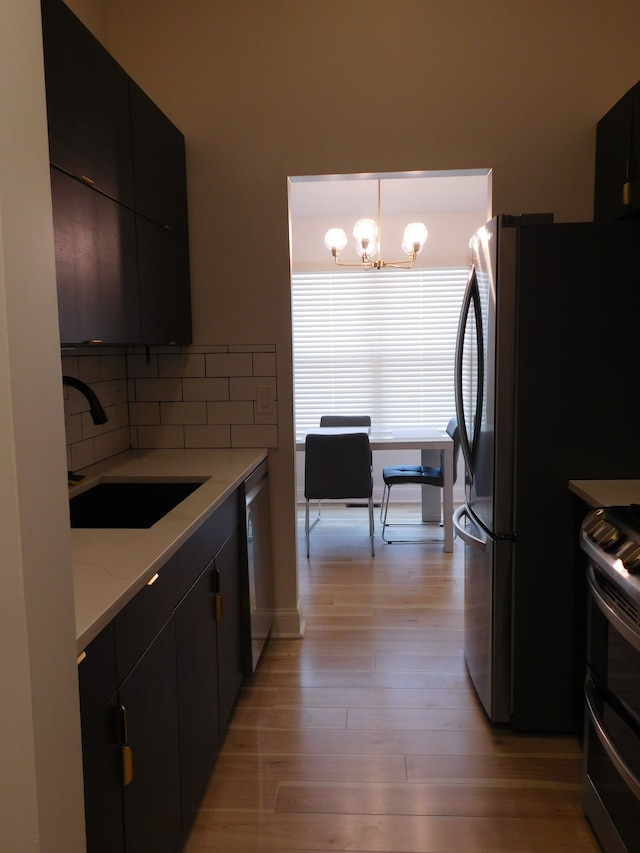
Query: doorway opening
{"type": "Point", "coordinates": [361, 342]}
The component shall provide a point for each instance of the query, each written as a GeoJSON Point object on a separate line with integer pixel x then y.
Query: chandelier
{"type": "Point", "coordinates": [367, 233]}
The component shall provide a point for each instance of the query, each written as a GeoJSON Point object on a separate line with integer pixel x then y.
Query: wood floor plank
{"type": "Point", "coordinates": [461, 800]}
{"type": "Point", "coordinates": [367, 736]}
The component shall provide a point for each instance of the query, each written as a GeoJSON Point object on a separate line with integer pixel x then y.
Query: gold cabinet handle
{"type": "Point", "coordinates": [127, 764]}
{"type": "Point", "coordinates": [81, 657]}
{"type": "Point", "coordinates": [126, 753]}
{"type": "Point", "coordinates": [86, 180]}
{"type": "Point", "coordinates": [152, 580]}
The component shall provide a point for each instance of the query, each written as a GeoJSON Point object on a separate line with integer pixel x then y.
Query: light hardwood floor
{"type": "Point", "coordinates": [367, 735]}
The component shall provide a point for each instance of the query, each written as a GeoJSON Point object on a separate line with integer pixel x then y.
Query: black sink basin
{"type": "Point", "coordinates": [127, 504]}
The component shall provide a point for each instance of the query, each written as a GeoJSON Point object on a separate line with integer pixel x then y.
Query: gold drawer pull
{"type": "Point", "coordinates": [127, 765]}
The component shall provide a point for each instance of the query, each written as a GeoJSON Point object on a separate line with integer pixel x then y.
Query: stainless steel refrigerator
{"type": "Point", "coordinates": [546, 380]}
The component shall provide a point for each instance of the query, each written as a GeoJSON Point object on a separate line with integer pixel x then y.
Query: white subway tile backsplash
{"type": "Point", "coordinates": [264, 364]}
{"type": "Point", "coordinates": [229, 364]}
{"type": "Point", "coordinates": [168, 397]}
{"type": "Point", "coordinates": [158, 389]}
{"type": "Point", "coordinates": [158, 437]}
{"type": "Point", "coordinates": [240, 412]}
{"type": "Point", "coordinates": [181, 365]}
{"type": "Point", "coordinates": [183, 413]}
{"type": "Point", "coordinates": [205, 389]}
{"type": "Point", "coordinates": [211, 435]}
{"type": "Point", "coordinates": [144, 413]}
{"type": "Point", "coordinates": [254, 436]}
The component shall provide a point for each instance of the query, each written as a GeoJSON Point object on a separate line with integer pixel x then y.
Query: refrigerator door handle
{"type": "Point", "coordinates": [463, 533]}
{"type": "Point", "coordinates": [471, 300]}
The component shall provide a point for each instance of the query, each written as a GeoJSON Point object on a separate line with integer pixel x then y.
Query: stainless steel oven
{"type": "Point", "coordinates": [611, 783]}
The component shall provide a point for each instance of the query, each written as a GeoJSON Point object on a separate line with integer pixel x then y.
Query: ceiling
{"type": "Point", "coordinates": [400, 193]}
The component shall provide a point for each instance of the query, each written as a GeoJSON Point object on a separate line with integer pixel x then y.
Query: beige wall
{"type": "Point", "coordinates": [263, 90]}
{"type": "Point", "coordinates": [40, 758]}
{"type": "Point", "coordinates": [266, 90]}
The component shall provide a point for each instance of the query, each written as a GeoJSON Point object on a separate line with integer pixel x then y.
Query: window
{"type": "Point", "coordinates": [380, 343]}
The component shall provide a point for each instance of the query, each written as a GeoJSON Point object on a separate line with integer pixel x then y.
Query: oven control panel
{"type": "Point", "coordinates": [613, 530]}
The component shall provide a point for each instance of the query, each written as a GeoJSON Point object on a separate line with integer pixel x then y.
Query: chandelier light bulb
{"type": "Point", "coordinates": [335, 240]}
{"type": "Point", "coordinates": [365, 229]}
{"type": "Point", "coordinates": [414, 238]}
{"type": "Point", "coordinates": [371, 249]}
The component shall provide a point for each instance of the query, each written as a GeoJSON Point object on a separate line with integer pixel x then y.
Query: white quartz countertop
{"type": "Point", "coordinates": [110, 566]}
{"type": "Point", "coordinates": [607, 492]}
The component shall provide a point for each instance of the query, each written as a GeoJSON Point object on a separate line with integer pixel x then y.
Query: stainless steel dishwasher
{"type": "Point", "coordinates": [259, 607]}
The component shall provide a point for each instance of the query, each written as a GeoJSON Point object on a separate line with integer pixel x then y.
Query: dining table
{"type": "Point", "coordinates": [406, 438]}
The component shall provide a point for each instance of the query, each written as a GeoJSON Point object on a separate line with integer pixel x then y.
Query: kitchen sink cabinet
{"type": "Point", "coordinates": [208, 652]}
{"type": "Point", "coordinates": [100, 714]}
{"type": "Point", "coordinates": [617, 183]}
{"type": "Point", "coordinates": [149, 697]}
{"type": "Point", "coordinates": [122, 253]}
{"type": "Point", "coordinates": [158, 685]}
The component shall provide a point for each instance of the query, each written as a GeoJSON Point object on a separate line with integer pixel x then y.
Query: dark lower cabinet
{"type": "Point", "coordinates": [157, 689]}
{"type": "Point", "coordinates": [102, 762]}
{"type": "Point", "coordinates": [229, 628]}
{"type": "Point", "coordinates": [149, 697]}
{"type": "Point", "coordinates": [197, 660]}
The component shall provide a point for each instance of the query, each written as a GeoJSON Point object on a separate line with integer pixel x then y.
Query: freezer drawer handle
{"type": "Point", "coordinates": [463, 533]}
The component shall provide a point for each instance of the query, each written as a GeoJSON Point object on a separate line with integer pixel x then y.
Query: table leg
{"type": "Point", "coordinates": [447, 498]}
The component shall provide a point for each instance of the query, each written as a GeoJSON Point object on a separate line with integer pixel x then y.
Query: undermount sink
{"type": "Point", "coordinates": [127, 504]}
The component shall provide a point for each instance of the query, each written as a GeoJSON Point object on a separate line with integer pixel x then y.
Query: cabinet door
{"type": "Point", "coordinates": [614, 161]}
{"type": "Point", "coordinates": [152, 817]}
{"type": "Point", "coordinates": [163, 276]}
{"type": "Point", "coordinates": [95, 247]}
{"type": "Point", "coordinates": [87, 105]}
{"type": "Point", "coordinates": [159, 165]}
{"type": "Point", "coordinates": [197, 662]}
{"type": "Point", "coordinates": [102, 767]}
{"type": "Point", "coordinates": [227, 565]}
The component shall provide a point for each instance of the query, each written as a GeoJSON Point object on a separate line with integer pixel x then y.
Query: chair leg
{"type": "Point", "coordinates": [372, 526]}
{"type": "Point", "coordinates": [309, 527]}
{"type": "Point", "coordinates": [384, 508]}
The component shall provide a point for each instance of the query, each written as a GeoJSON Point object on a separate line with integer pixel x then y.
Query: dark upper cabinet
{"type": "Point", "coordinates": [617, 184]}
{"type": "Point", "coordinates": [96, 264]}
{"type": "Point", "coordinates": [87, 105]}
{"type": "Point", "coordinates": [163, 279]}
{"type": "Point", "coordinates": [119, 197]}
{"type": "Point", "coordinates": [159, 169]}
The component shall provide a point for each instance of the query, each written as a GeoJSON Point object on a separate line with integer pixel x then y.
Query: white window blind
{"type": "Point", "coordinates": [380, 343]}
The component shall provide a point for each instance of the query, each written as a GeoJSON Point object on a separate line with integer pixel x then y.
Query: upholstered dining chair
{"type": "Point", "coordinates": [394, 475]}
{"type": "Point", "coordinates": [345, 420]}
{"type": "Point", "coordinates": [336, 467]}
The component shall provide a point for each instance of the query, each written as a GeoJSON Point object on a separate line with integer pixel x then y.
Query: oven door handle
{"type": "Point", "coordinates": [608, 612]}
{"type": "Point", "coordinates": [606, 740]}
